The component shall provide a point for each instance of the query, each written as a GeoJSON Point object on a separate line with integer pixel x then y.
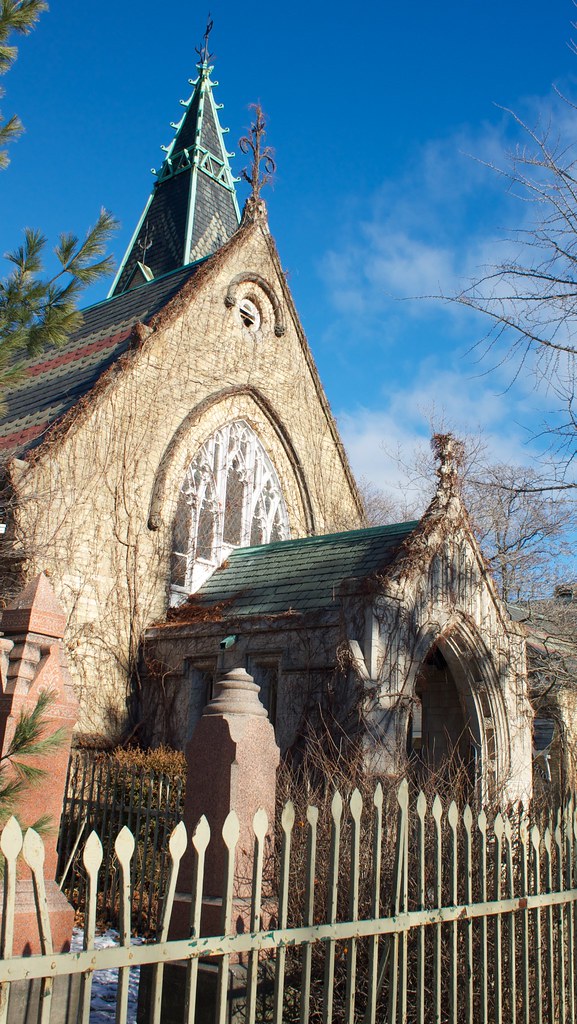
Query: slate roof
{"type": "Point", "coordinates": [58, 378]}
{"type": "Point", "coordinates": [187, 190]}
{"type": "Point", "coordinates": [164, 226]}
{"type": "Point", "coordinates": [187, 197]}
{"type": "Point", "coordinates": [551, 627]}
{"type": "Point", "coordinates": [299, 575]}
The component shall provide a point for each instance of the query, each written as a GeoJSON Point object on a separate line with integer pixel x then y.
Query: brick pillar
{"type": "Point", "coordinates": [232, 758]}
{"type": "Point", "coordinates": [32, 659]}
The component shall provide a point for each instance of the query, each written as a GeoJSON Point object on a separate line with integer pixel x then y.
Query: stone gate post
{"type": "Point", "coordinates": [232, 758]}
{"type": "Point", "coordinates": [33, 627]}
{"type": "Point", "coordinates": [32, 659]}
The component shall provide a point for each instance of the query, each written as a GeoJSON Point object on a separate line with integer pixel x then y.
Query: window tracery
{"type": "Point", "coordinates": [231, 497]}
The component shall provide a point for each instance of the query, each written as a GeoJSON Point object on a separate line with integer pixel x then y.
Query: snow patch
{"type": "Point", "coordinates": [105, 983]}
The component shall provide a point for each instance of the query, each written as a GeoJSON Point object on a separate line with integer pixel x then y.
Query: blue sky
{"type": "Point", "coordinates": [375, 119]}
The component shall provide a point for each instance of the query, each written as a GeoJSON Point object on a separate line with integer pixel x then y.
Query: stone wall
{"type": "Point", "coordinates": [184, 662]}
{"type": "Point", "coordinates": [96, 501]}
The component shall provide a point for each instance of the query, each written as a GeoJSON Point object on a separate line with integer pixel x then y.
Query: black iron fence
{"type": "Point", "coordinates": [105, 795]}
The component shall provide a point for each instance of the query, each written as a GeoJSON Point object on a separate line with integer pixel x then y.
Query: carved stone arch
{"type": "Point", "coordinates": [179, 453]}
{"type": "Point", "coordinates": [251, 277]}
{"type": "Point", "coordinates": [476, 678]}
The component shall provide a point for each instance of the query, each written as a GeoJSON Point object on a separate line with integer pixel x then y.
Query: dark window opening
{"type": "Point", "coordinates": [249, 314]}
{"type": "Point", "coordinates": [265, 675]}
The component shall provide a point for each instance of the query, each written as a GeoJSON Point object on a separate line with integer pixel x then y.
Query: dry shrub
{"type": "Point", "coordinates": [160, 759]}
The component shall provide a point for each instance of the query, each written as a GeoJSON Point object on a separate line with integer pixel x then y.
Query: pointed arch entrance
{"type": "Point", "coordinates": [458, 721]}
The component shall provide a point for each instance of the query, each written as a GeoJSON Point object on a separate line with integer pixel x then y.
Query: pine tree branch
{"type": "Point", "coordinates": [29, 740]}
{"type": "Point", "coordinates": [18, 16]}
{"type": "Point", "coordinates": [36, 311]}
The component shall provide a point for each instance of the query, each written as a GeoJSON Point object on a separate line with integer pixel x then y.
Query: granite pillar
{"type": "Point", "coordinates": [32, 660]}
{"type": "Point", "coordinates": [232, 758]}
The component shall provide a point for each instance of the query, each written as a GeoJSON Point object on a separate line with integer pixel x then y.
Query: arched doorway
{"type": "Point", "coordinates": [442, 737]}
{"type": "Point", "coordinates": [458, 724]}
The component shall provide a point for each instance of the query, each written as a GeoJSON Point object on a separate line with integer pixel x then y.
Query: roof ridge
{"type": "Point", "coordinates": [145, 284]}
{"type": "Point", "coordinates": [323, 538]}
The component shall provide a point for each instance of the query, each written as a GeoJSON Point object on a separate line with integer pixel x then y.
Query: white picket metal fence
{"type": "Point", "coordinates": [399, 913]}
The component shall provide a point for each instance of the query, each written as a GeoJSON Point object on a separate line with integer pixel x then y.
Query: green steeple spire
{"type": "Point", "coordinates": [192, 209]}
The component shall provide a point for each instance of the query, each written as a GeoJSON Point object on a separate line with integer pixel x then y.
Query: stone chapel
{"type": "Point", "coordinates": [176, 470]}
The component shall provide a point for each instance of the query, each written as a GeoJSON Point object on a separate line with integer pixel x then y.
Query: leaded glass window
{"type": "Point", "coordinates": [230, 497]}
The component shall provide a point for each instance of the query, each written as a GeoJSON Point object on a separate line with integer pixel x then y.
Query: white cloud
{"type": "Point", "coordinates": [436, 227]}
{"type": "Point", "coordinates": [431, 233]}
{"type": "Point", "coordinates": [403, 265]}
{"type": "Point", "coordinates": [438, 399]}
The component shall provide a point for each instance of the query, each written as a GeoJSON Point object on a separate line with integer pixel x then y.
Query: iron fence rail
{"type": "Point", "coordinates": [428, 915]}
{"type": "Point", "coordinates": [112, 957]}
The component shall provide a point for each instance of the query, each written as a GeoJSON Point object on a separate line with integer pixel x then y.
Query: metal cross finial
{"type": "Point", "coordinates": [203, 52]}
{"type": "Point", "coordinates": [261, 155]}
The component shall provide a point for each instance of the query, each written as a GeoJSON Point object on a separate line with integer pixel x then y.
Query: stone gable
{"type": "Point", "coordinates": [97, 499]}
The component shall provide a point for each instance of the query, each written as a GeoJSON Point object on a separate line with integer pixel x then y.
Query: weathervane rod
{"type": "Point", "coordinates": [202, 50]}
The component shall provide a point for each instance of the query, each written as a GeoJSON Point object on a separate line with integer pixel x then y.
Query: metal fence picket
{"type": "Point", "coordinates": [33, 853]}
{"type": "Point", "coordinates": [11, 843]}
{"type": "Point", "coordinates": [332, 904]}
{"type": "Point", "coordinates": [453, 946]}
{"type": "Point", "coordinates": [105, 796]}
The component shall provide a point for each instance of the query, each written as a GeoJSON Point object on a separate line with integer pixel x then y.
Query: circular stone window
{"type": "Point", "coordinates": [249, 314]}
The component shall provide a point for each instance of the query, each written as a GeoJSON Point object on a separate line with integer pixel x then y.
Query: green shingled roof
{"type": "Point", "coordinates": [301, 575]}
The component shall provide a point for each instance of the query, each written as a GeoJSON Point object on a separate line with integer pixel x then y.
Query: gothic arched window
{"type": "Point", "coordinates": [231, 497]}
